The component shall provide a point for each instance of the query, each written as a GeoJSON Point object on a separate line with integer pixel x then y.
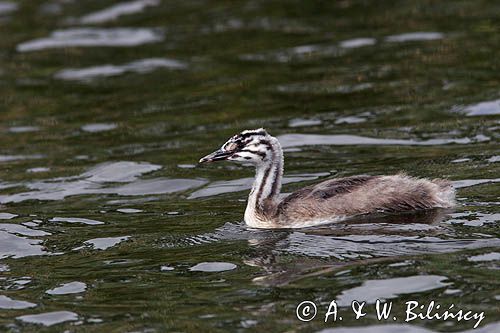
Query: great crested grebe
{"type": "Point", "coordinates": [329, 201]}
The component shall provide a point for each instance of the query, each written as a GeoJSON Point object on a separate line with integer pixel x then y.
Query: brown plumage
{"type": "Point", "coordinates": [356, 195]}
{"type": "Point", "coordinates": [328, 201]}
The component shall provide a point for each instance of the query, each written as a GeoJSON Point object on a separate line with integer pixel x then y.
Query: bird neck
{"type": "Point", "coordinates": [266, 188]}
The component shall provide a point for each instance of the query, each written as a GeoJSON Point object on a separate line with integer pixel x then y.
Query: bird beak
{"type": "Point", "coordinates": [218, 155]}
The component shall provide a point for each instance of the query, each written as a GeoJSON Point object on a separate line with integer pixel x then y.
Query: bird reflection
{"type": "Point", "coordinates": [271, 250]}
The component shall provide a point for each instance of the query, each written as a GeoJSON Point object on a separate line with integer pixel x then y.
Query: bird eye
{"type": "Point", "coordinates": [231, 146]}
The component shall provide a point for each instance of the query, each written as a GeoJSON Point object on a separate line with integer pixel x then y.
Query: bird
{"type": "Point", "coordinates": [329, 201]}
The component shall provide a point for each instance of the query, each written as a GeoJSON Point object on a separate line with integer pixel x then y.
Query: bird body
{"type": "Point", "coordinates": [329, 201]}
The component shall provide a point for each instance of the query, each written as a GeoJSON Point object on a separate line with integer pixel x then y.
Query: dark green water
{"type": "Point", "coordinates": [90, 126]}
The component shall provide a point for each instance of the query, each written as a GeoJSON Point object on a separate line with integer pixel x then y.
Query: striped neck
{"type": "Point", "coordinates": [266, 188]}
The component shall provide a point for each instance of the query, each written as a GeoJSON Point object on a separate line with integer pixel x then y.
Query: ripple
{"type": "Point", "coordinates": [301, 122]}
{"type": "Point", "coordinates": [76, 220]}
{"type": "Point", "coordinates": [368, 246]}
{"type": "Point", "coordinates": [494, 159]}
{"type": "Point", "coordinates": [98, 127]}
{"type": "Point", "coordinates": [9, 158]}
{"type": "Point", "coordinates": [166, 268]}
{"type": "Point", "coordinates": [115, 11]}
{"type": "Point", "coordinates": [23, 129]}
{"type": "Point", "coordinates": [37, 169]}
{"type": "Point", "coordinates": [473, 182]}
{"type": "Point", "coordinates": [296, 140]}
{"type": "Point", "coordinates": [18, 247]}
{"type": "Point", "coordinates": [68, 288]}
{"type": "Point", "coordinates": [94, 180]}
{"type": "Point", "coordinates": [297, 53]}
{"type": "Point", "coordinates": [371, 290]}
{"type": "Point", "coordinates": [157, 186]}
{"type": "Point", "coordinates": [485, 257]}
{"type": "Point", "coordinates": [89, 37]}
{"type": "Point", "coordinates": [7, 216]}
{"type": "Point", "coordinates": [49, 318]}
{"type": "Point", "coordinates": [242, 184]}
{"type": "Point", "coordinates": [9, 303]}
{"type": "Point", "coordinates": [139, 66]}
{"type": "Point", "coordinates": [357, 42]}
{"type": "Point", "coordinates": [488, 108]}
{"type": "Point", "coordinates": [308, 52]}
{"type": "Point", "coordinates": [474, 219]}
{"type": "Point", "coordinates": [129, 210]}
{"type": "Point", "coordinates": [213, 267]}
{"type": "Point", "coordinates": [402, 235]}
{"type": "Point", "coordinates": [321, 88]}
{"type": "Point", "coordinates": [119, 172]}
{"type": "Point", "coordinates": [7, 7]}
{"type": "Point", "coordinates": [460, 160]}
{"type": "Point", "coordinates": [273, 24]}
{"type": "Point", "coordinates": [415, 36]}
{"type": "Point", "coordinates": [350, 120]}
{"type": "Point", "coordinates": [22, 230]}
{"type": "Point", "coordinates": [186, 166]}
{"type": "Point", "coordinates": [104, 243]}
{"type": "Point", "coordinates": [405, 328]}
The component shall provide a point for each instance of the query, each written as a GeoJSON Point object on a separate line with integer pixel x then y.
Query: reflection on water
{"type": "Point", "coordinates": [237, 185]}
{"type": "Point", "coordinates": [23, 129]}
{"type": "Point", "coordinates": [322, 88]}
{"type": "Point", "coordinates": [113, 12]}
{"type": "Point", "coordinates": [91, 37]}
{"type": "Point", "coordinates": [94, 181]}
{"type": "Point", "coordinates": [357, 42]}
{"type": "Point", "coordinates": [7, 7]}
{"type": "Point", "coordinates": [9, 158]}
{"type": "Point", "coordinates": [103, 243]}
{"type": "Point", "coordinates": [68, 288]}
{"type": "Point", "coordinates": [362, 240]}
{"type": "Point", "coordinates": [297, 53]}
{"type": "Point", "coordinates": [488, 108]}
{"type": "Point", "coordinates": [485, 257]}
{"type": "Point", "coordinates": [405, 328]}
{"type": "Point", "coordinates": [17, 247]}
{"type": "Point", "coordinates": [415, 36]}
{"type": "Point", "coordinates": [472, 182]}
{"type": "Point", "coordinates": [37, 169]}
{"type": "Point", "coordinates": [129, 210]}
{"type": "Point", "coordinates": [75, 220]}
{"type": "Point", "coordinates": [9, 303]}
{"type": "Point", "coordinates": [306, 52]}
{"type": "Point", "coordinates": [49, 318]}
{"type": "Point", "coordinates": [93, 128]}
{"type": "Point", "coordinates": [213, 267]}
{"type": "Point", "coordinates": [300, 122]}
{"type": "Point", "coordinates": [475, 219]}
{"type": "Point", "coordinates": [22, 230]}
{"type": "Point", "coordinates": [113, 244]}
{"type": "Point", "coordinates": [372, 290]}
{"type": "Point", "coordinates": [350, 120]}
{"type": "Point", "coordinates": [297, 140]}
{"type": "Point", "coordinates": [138, 66]}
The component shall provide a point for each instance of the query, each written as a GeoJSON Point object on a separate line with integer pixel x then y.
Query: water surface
{"type": "Point", "coordinates": [108, 224]}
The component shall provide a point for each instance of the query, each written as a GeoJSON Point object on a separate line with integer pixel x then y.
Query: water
{"type": "Point", "coordinates": [108, 224]}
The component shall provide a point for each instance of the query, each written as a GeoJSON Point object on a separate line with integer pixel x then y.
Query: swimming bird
{"type": "Point", "coordinates": [329, 201]}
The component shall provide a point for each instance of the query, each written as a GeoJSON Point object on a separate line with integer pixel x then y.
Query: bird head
{"type": "Point", "coordinates": [249, 146]}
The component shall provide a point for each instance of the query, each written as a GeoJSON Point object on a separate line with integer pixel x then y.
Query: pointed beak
{"type": "Point", "coordinates": [218, 155]}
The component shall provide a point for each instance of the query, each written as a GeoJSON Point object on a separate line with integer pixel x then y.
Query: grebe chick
{"type": "Point", "coordinates": [329, 201]}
